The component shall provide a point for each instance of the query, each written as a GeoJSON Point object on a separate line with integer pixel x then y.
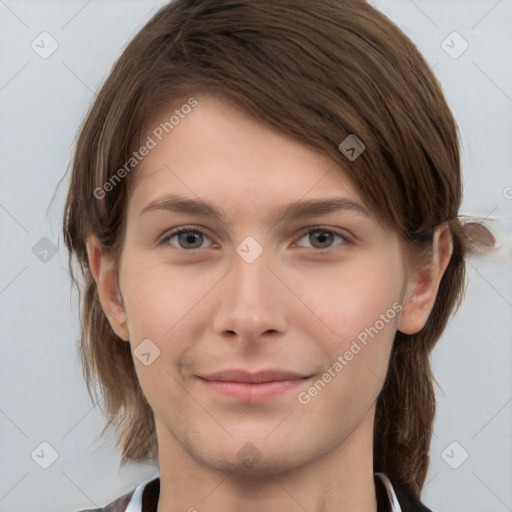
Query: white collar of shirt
{"type": "Point", "coordinates": [135, 504]}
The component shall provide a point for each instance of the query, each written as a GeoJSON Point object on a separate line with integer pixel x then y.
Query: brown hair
{"type": "Point", "coordinates": [317, 70]}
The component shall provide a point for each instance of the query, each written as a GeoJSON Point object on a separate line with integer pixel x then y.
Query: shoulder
{"type": "Point", "coordinates": [144, 496]}
{"type": "Point", "coordinates": [118, 505]}
{"type": "Point", "coordinates": [400, 497]}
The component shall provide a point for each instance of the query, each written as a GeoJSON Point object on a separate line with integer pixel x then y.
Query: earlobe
{"type": "Point", "coordinates": [423, 285]}
{"type": "Point", "coordinates": [103, 271]}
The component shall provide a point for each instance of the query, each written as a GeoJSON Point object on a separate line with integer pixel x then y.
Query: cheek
{"type": "Point", "coordinates": [363, 317]}
{"type": "Point", "coordinates": [352, 299]}
{"type": "Point", "coordinates": [157, 297]}
{"type": "Point", "coordinates": [159, 305]}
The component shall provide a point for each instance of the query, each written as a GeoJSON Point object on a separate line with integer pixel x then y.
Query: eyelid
{"type": "Point", "coordinates": [341, 233]}
{"type": "Point", "coordinates": [164, 239]}
{"type": "Point", "coordinates": [347, 239]}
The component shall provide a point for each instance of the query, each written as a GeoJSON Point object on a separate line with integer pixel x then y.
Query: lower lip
{"type": "Point", "coordinates": [251, 391]}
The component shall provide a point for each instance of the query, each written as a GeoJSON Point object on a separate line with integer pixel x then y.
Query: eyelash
{"type": "Point", "coordinates": [185, 229]}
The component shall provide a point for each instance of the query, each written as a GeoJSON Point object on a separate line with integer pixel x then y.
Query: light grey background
{"type": "Point", "coordinates": [43, 396]}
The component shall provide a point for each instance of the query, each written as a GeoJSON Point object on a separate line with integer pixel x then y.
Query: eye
{"type": "Point", "coordinates": [187, 238]}
{"type": "Point", "coordinates": [322, 239]}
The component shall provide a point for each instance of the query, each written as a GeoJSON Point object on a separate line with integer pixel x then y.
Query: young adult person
{"type": "Point", "coordinates": [264, 202]}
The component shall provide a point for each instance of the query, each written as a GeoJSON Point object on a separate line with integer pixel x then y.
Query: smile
{"type": "Point", "coordinates": [253, 386]}
{"type": "Point", "coordinates": [248, 391]}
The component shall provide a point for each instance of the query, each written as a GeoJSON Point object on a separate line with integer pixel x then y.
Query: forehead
{"type": "Point", "coordinates": [217, 151]}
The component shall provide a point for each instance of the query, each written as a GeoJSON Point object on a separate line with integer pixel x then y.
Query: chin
{"type": "Point", "coordinates": [257, 457]}
{"type": "Point", "coordinates": [262, 465]}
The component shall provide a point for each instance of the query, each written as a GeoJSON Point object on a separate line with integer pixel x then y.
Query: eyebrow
{"type": "Point", "coordinates": [287, 212]}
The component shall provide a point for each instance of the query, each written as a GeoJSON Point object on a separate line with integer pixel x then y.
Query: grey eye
{"type": "Point", "coordinates": [320, 238]}
{"type": "Point", "coordinates": [186, 238]}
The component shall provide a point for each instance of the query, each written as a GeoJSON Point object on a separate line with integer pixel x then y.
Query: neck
{"type": "Point", "coordinates": [341, 480]}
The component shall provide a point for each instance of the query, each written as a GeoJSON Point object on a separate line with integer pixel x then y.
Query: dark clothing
{"type": "Point", "coordinates": [152, 492]}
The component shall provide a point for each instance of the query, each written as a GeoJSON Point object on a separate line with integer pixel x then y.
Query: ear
{"type": "Point", "coordinates": [103, 271]}
{"type": "Point", "coordinates": [424, 283]}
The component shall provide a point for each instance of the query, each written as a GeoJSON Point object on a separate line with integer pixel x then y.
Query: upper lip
{"type": "Point", "coordinates": [235, 375]}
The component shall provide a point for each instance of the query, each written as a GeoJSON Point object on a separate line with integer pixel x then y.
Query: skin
{"type": "Point", "coordinates": [207, 309]}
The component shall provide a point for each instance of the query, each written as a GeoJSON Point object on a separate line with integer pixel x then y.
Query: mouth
{"type": "Point", "coordinates": [247, 386]}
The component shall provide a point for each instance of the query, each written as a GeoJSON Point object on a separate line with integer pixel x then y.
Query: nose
{"type": "Point", "coordinates": [252, 301]}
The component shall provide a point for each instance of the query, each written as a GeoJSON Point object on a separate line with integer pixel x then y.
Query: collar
{"type": "Point", "coordinates": [135, 504]}
{"type": "Point", "coordinates": [393, 500]}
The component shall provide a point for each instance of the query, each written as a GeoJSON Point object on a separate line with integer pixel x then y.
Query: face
{"type": "Point", "coordinates": [313, 300]}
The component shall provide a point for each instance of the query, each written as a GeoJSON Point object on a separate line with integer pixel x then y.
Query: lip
{"type": "Point", "coordinates": [253, 386]}
{"type": "Point", "coordinates": [262, 376]}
